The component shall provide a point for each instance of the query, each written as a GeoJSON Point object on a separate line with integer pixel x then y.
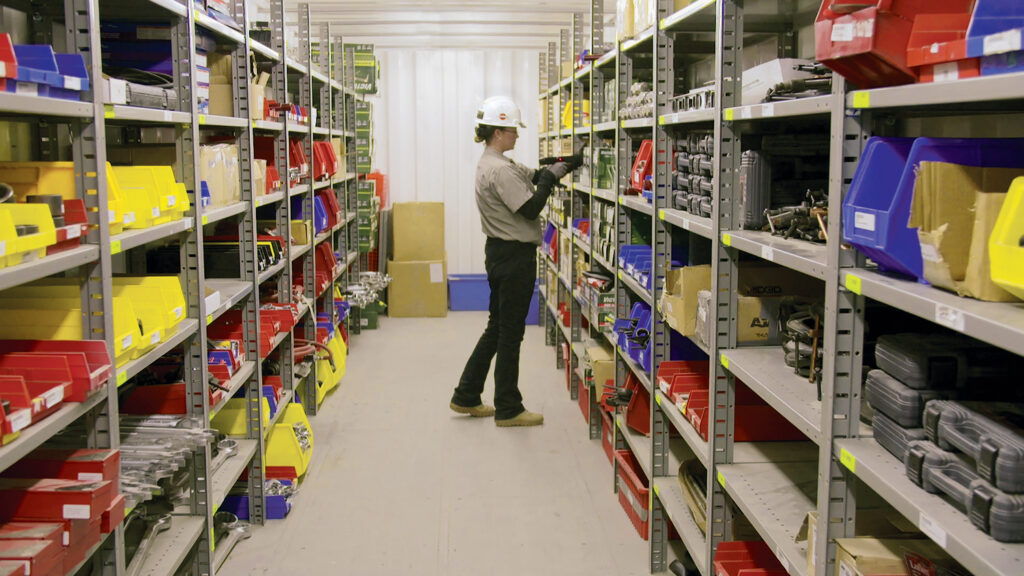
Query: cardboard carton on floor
{"type": "Point", "coordinates": [418, 289]}
{"type": "Point", "coordinates": [418, 229]}
{"type": "Point", "coordinates": [954, 209]}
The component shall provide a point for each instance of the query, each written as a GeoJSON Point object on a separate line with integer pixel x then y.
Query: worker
{"type": "Point", "coordinates": [509, 205]}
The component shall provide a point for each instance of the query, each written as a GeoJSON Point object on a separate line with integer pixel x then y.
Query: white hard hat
{"type": "Point", "coordinates": [499, 111]}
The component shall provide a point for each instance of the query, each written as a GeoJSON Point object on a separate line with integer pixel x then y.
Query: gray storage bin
{"type": "Point", "coordinates": [987, 432]}
{"type": "Point", "coordinates": [895, 438]}
{"type": "Point", "coordinates": [897, 400]}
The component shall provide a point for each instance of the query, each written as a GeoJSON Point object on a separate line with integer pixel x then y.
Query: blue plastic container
{"type": "Point", "coordinates": [36, 63]}
{"type": "Point", "coordinates": [268, 393]}
{"type": "Point", "coordinates": [277, 506]}
{"type": "Point", "coordinates": [994, 17]}
{"type": "Point", "coordinates": [74, 77]}
{"type": "Point", "coordinates": [1005, 63]}
{"type": "Point", "coordinates": [319, 213]}
{"type": "Point", "coordinates": [468, 292]}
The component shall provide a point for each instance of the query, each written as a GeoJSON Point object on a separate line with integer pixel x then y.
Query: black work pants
{"type": "Point", "coordinates": [511, 274]}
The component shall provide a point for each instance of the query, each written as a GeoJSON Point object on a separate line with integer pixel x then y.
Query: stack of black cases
{"type": "Point", "coordinates": [971, 453]}
{"type": "Point", "coordinates": [692, 183]}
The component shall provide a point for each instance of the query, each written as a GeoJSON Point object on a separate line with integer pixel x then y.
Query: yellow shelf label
{"type": "Point", "coordinates": [108, 110]}
{"type": "Point", "coordinates": [656, 491]}
{"type": "Point", "coordinates": [661, 214]}
{"type": "Point", "coordinates": [848, 460]}
{"type": "Point", "coordinates": [658, 399]}
{"type": "Point", "coordinates": [725, 361]}
{"type": "Point", "coordinates": [862, 99]}
{"type": "Point", "coordinates": [206, 220]}
{"type": "Point", "coordinates": [209, 319]}
{"type": "Point", "coordinates": [853, 283]}
{"type": "Point", "coordinates": [620, 274]}
{"type": "Point", "coordinates": [727, 239]}
{"type": "Point", "coordinates": [622, 200]}
{"type": "Point", "coordinates": [661, 120]}
{"type": "Point", "coordinates": [721, 479]}
{"type": "Point", "coordinates": [729, 114]}
{"type": "Point", "coordinates": [122, 377]}
{"type": "Point", "coordinates": [115, 247]}
{"type": "Point", "coordinates": [213, 545]}
{"type": "Point", "coordinates": [623, 124]}
{"type": "Point", "coordinates": [202, 118]}
{"type": "Point", "coordinates": [661, 25]}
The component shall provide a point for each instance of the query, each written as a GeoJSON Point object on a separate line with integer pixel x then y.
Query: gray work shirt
{"type": "Point", "coordinates": [502, 187]}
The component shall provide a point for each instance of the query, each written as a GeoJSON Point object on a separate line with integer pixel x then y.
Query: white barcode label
{"type": "Point", "coordinates": [932, 530]}
{"type": "Point", "coordinates": [686, 224]}
{"type": "Point", "coordinates": [90, 477]}
{"type": "Point", "coordinates": [768, 253]}
{"type": "Point", "coordinates": [949, 317]}
{"type": "Point", "coordinates": [67, 538]}
{"type": "Point", "coordinates": [111, 215]}
{"type": "Point", "coordinates": [128, 217]}
{"type": "Point", "coordinates": [19, 420]}
{"type": "Point", "coordinates": [171, 201]}
{"type": "Point", "coordinates": [72, 83]}
{"type": "Point", "coordinates": [178, 312]}
{"type": "Point", "coordinates": [946, 72]}
{"type": "Point", "coordinates": [27, 88]}
{"type": "Point", "coordinates": [745, 112]}
{"type": "Point", "coordinates": [76, 512]}
{"type": "Point", "coordinates": [28, 568]}
{"type": "Point", "coordinates": [768, 110]}
{"type": "Point", "coordinates": [53, 396]}
{"type": "Point", "coordinates": [842, 32]}
{"type": "Point", "coordinates": [74, 231]}
{"type": "Point", "coordinates": [1009, 41]}
{"type": "Point", "coordinates": [167, 116]}
{"type": "Point", "coordinates": [126, 342]}
{"type": "Point", "coordinates": [3, 69]}
{"type": "Point", "coordinates": [156, 212]}
{"type": "Point", "coordinates": [3, 247]}
{"type": "Point", "coordinates": [930, 253]}
{"type": "Point", "coordinates": [155, 337]}
{"type": "Point", "coordinates": [864, 221]}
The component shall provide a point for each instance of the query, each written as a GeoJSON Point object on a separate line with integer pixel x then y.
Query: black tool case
{"type": "Point", "coordinates": [992, 510]}
{"type": "Point", "coordinates": [942, 361]}
{"type": "Point", "coordinates": [895, 438]}
{"type": "Point", "coordinates": [989, 433]}
{"type": "Point", "coordinates": [898, 401]}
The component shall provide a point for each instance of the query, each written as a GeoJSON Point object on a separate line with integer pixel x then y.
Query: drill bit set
{"type": "Point", "coordinates": [692, 182]}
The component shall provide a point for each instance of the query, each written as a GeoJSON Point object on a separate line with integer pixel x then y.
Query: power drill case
{"type": "Point", "coordinates": [989, 433]}
{"type": "Point", "coordinates": [923, 360]}
{"type": "Point", "coordinates": [992, 510]}
{"type": "Point", "coordinates": [895, 438]}
{"type": "Point", "coordinates": [898, 401]}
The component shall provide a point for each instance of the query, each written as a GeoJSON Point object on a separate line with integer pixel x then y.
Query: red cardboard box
{"type": "Point", "coordinates": [32, 531]}
{"type": "Point", "coordinates": [113, 516]}
{"type": "Point", "coordinates": [38, 556]}
{"type": "Point", "coordinates": [11, 568]}
{"type": "Point", "coordinates": [48, 499]}
{"type": "Point", "coordinates": [83, 465]}
{"type": "Point", "coordinates": [86, 535]}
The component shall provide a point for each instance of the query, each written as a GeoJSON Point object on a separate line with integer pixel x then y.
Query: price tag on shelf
{"type": "Point", "coordinates": [661, 120]}
{"type": "Point", "coordinates": [932, 530]}
{"type": "Point", "coordinates": [108, 111]}
{"type": "Point", "coordinates": [167, 116]}
{"type": "Point", "coordinates": [209, 319]}
{"type": "Point", "coordinates": [862, 99]}
{"type": "Point", "coordinates": [721, 479]}
{"type": "Point", "coordinates": [73, 232]}
{"type": "Point", "coordinates": [656, 491]}
{"type": "Point", "coordinates": [202, 119]}
{"type": "Point", "coordinates": [661, 214]}
{"type": "Point", "coordinates": [745, 112]}
{"type": "Point", "coordinates": [686, 224]}
{"type": "Point", "coordinates": [122, 377]}
{"type": "Point", "coordinates": [729, 114]}
{"type": "Point", "coordinates": [767, 110]}
{"type": "Point", "coordinates": [206, 220]}
{"type": "Point", "coordinates": [3, 245]}
{"type": "Point", "coordinates": [53, 396]}
{"type": "Point", "coordinates": [853, 283]}
{"type": "Point", "coordinates": [1009, 41]}
{"type": "Point", "coordinates": [949, 317]}
{"type": "Point", "coordinates": [725, 361]}
{"type": "Point", "coordinates": [115, 247]}
{"type": "Point", "coordinates": [768, 253]}
{"type": "Point", "coordinates": [848, 460]}
{"type": "Point", "coordinates": [727, 239]}
{"type": "Point", "coordinates": [657, 399]}
{"type": "Point", "coordinates": [20, 420]}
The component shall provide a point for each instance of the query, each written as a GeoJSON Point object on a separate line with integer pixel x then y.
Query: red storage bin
{"type": "Point", "coordinates": [668, 369]}
{"type": "Point", "coordinates": [36, 556]}
{"type": "Point", "coordinates": [76, 225]}
{"type": "Point", "coordinates": [634, 495]}
{"type": "Point", "coordinates": [567, 361]}
{"type": "Point", "coordinates": [297, 161]}
{"type": "Point", "coordinates": [89, 361]}
{"type": "Point", "coordinates": [869, 46]}
{"type": "Point", "coordinates": [746, 559]}
{"type": "Point", "coordinates": [47, 378]}
{"type": "Point", "coordinates": [164, 398]}
{"type": "Point", "coordinates": [19, 416]}
{"type": "Point", "coordinates": [334, 212]}
{"type": "Point", "coordinates": [584, 399]}
{"type": "Point", "coordinates": [113, 516]}
{"type": "Point", "coordinates": [754, 420]}
{"type": "Point", "coordinates": [638, 412]}
{"type": "Point", "coordinates": [608, 435]}
{"type": "Point", "coordinates": [642, 167]}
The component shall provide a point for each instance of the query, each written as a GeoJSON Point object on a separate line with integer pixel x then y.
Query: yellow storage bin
{"type": "Point", "coordinates": [166, 291]}
{"type": "Point", "coordinates": [232, 418]}
{"type": "Point", "coordinates": [1006, 244]}
{"type": "Point", "coordinates": [30, 178]}
{"type": "Point", "coordinates": [51, 315]}
{"type": "Point", "coordinates": [16, 249]}
{"type": "Point", "coordinates": [284, 447]}
{"type": "Point", "coordinates": [567, 114]}
{"type": "Point", "coordinates": [153, 193]}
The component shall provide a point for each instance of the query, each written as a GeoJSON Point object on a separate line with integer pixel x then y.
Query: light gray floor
{"type": "Point", "coordinates": [400, 485]}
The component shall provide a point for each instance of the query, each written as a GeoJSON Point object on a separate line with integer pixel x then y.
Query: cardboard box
{"type": "Point", "coordinates": [757, 81]}
{"type": "Point", "coordinates": [259, 177]}
{"type": "Point", "coordinates": [418, 289]}
{"type": "Point", "coordinates": [222, 100]}
{"type": "Point", "coordinates": [301, 232]}
{"type": "Point", "coordinates": [764, 279]}
{"type": "Point", "coordinates": [83, 465]}
{"type": "Point", "coordinates": [602, 365]}
{"type": "Point", "coordinates": [875, 557]}
{"type": "Point", "coordinates": [954, 209]}
{"type": "Point", "coordinates": [679, 301]}
{"type": "Point", "coordinates": [880, 523]}
{"type": "Point", "coordinates": [418, 229]}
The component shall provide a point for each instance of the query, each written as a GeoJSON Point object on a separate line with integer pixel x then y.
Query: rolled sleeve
{"type": "Point", "coordinates": [513, 187]}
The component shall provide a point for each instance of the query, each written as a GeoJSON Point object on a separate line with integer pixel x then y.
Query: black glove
{"type": "Point", "coordinates": [559, 169]}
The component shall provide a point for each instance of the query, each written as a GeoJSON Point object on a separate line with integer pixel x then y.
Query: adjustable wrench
{"type": "Point", "coordinates": [155, 525]}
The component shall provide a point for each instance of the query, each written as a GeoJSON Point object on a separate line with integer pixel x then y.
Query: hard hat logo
{"type": "Point", "coordinates": [503, 116]}
{"type": "Point", "coordinates": [499, 111]}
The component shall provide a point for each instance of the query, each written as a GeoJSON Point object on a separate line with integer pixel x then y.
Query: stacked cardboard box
{"type": "Point", "coordinates": [419, 264]}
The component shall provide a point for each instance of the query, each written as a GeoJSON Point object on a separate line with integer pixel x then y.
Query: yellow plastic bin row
{"type": "Point", "coordinates": [232, 418]}
{"type": "Point", "coordinates": [284, 447]}
{"type": "Point", "coordinates": [137, 196]}
{"type": "Point", "coordinates": [16, 249]}
{"type": "Point", "coordinates": [328, 378]}
{"type": "Point", "coordinates": [1006, 244]}
{"type": "Point", "coordinates": [45, 318]}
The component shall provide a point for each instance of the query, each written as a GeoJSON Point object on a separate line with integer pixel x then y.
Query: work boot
{"type": "Point", "coordinates": [481, 411]}
{"type": "Point", "coordinates": [525, 418]}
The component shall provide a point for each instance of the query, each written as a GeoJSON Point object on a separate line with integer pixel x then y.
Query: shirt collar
{"type": "Point", "coordinates": [488, 151]}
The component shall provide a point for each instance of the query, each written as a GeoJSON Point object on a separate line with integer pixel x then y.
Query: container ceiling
{"type": "Point", "coordinates": [496, 24]}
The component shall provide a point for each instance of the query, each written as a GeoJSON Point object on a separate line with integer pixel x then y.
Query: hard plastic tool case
{"type": "Point", "coordinates": [895, 438]}
{"type": "Point", "coordinates": [901, 403]}
{"type": "Point", "coordinates": [942, 361]}
{"type": "Point", "coordinates": [992, 510]}
{"type": "Point", "coordinates": [989, 433]}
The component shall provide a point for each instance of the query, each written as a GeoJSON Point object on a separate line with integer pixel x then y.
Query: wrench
{"type": "Point", "coordinates": [228, 541]}
{"type": "Point", "coordinates": [225, 449]}
{"type": "Point", "coordinates": [155, 525]}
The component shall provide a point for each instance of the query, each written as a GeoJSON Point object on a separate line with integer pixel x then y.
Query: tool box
{"type": "Point", "coordinates": [82, 465]}
{"type": "Point", "coordinates": [893, 437]}
{"type": "Point", "coordinates": [942, 361]}
{"type": "Point", "coordinates": [989, 434]}
{"type": "Point", "coordinates": [47, 499]}
{"type": "Point", "coordinates": [903, 404]}
{"type": "Point", "coordinates": [993, 511]}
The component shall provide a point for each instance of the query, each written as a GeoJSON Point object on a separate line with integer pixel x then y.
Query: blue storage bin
{"type": "Point", "coordinates": [319, 213]}
{"type": "Point", "coordinates": [74, 77]}
{"type": "Point", "coordinates": [993, 17]}
{"type": "Point", "coordinates": [1005, 63]}
{"type": "Point", "coordinates": [36, 63]}
{"type": "Point", "coordinates": [277, 507]}
{"type": "Point", "coordinates": [268, 393]}
{"type": "Point", "coordinates": [468, 292]}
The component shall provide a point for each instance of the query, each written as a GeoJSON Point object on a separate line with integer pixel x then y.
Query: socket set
{"type": "Point", "coordinates": [697, 99]}
{"type": "Point", "coordinates": [692, 182]}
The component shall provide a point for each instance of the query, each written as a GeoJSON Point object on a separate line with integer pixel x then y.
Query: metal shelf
{"type": "Point", "coordinates": [217, 28]}
{"type": "Point", "coordinates": [135, 238]}
{"type": "Point", "coordinates": [294, 128]}
{"type": "Point", "coordinates": [320, 131]}
{"type": "Point", "coordinates": [639, 444]}
{"type": "Point", "coordinates": [638, 39]}
{"type": "Point", "coordinates": [670, 494]}
{"type": "Point", "coordinates": [318, 75]}
{"type": "Point", "coordinates": [223, 121]}
{"type": "Point", "coordinates": [806, 257]}
{"type": "Point", "coordinates": [269, 198]}
{"type": "Point", "coordinates": [218, 214]}
{"type": "Point", "coordinates": [286, 399]}
{"type": "Point", "coordinates": [687, 117]}
{"type": "Point", "coordinates": [947, 526]}
{"type": "Point", "coordinates": [763, 370]}
{"type": "Point", "coordinates": [231, 293]}
{"type": "Point", "coordinates": [637, 124]}
{"type": "Point", "coordinates": [636, 369]}
{"type": "Point", "coordinates": [603, 194]}
{"type": "Point", "coordinates": [170, 548]}
{"type": "Point", "coordinates": [89, 554]}
{"type": "Point", "coordinates": [295, 66]}
{"type": "Point", "coordinates": [776, 498]}
{"type": "Point", "coordinates": [348, 176]}
{"type": "Point", "coordinates": [186, 328]}
{"type": "Point", "coordinates": [272, 271]}
{"type": "Point", "coordinates": [264, 50]}
{"type": "Point", "coordinates": [119, 113]}
{"type": "Point", "coordinates": [581, 187]}
{"type": "Point", "coordinates": [970, 90]}
{"type": "Point", "coordinates": [32, 437]}
{"type": "Point", "coordinates": [320, 185]}
{"type": "Point", "coordinates": [267, 125]}
{"type": "Point", "coordinates": [687, 221]}
{"type": "Point", "coordinates": [47, 266]}
{"type": "Point", "coordinates": [998, 323]}
{"type": "Point", "coordinates": [297, 190]}
{"type": "Point", "coordinates": [600, 260]}
{"type": "Point", "coordinates": [606, 57]}
{"type": "Point", "coordinates": [605, 126]}
{"type": "Point", "coordinates": [352, 257]}
{"type": "Point", "coordinates": [680, 19]}
{"type": "Point", "coordinates": [637, 203]}
{"type": "Point", "coordinates": [581, 244]}
{"type": "Point", "coordinates": [636, 288]}
{"type": "Point", "coordinates": [224, 479]}
{"type": "Point", "coordinates": [817, 105]}
{"type": "Point", "coordinates": [234, 385]}
{"type": "Point", "coordinates": [33, 106]}
{"type": "Point", "coordinates": [698, 445]}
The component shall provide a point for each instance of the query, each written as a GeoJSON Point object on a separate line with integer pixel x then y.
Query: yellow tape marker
{"type": "Point", "coordinates": [658, 399]}
{"type": "Point", "coordinates": [862, 99]}
{"type": "Point", "coordinates": [115, 247]}
{"type": "Point", "coordinates": [108, 110]}
{"type": "Point", "coordinates": [620, 274]}
{"type": "Point", "coordinates": [623, 124]}
{"type": "Point", "coordinates": [725, 361]}
{"type": "Point", "coordinates": [661, 120]}
{"type": "Point", "coordinates": [721, 479]}
{"type": "Point", "coordinates": [213, 545]}
{"type": "Point", "coordinates": [661, 25]}
{"type": "Point", "coordinates": [848, 460]}
{"type": "Point", "coordinates": [729, 113]}
{"type": "Point", "coordinates": [209, 319]}
{"type": "Point", "coordinates": [122, 377]}
{"type": "Point", "coordinates": [206, 220]}
{"type": "Point", "coordinates": [622, 200]}
{"type": "Point", "coordinates": [202, 118]}
{"type": "Point", "coordinates": [661, 214]}
{"type": "Point", "coordinates": [853, 283]}
{"type": "Point", "coordinates": [656, 491]}
{"type": "Point", "coordinates": [727, 239]}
